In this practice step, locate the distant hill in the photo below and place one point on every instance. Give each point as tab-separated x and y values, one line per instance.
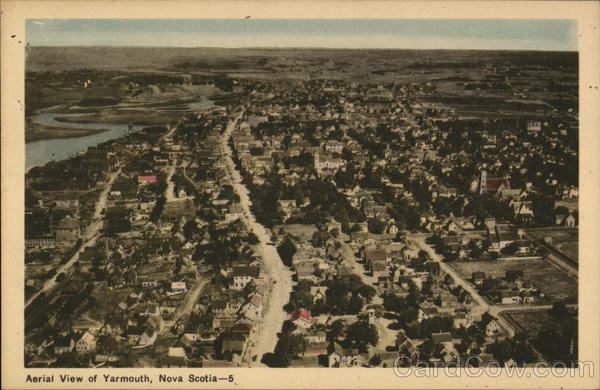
206	59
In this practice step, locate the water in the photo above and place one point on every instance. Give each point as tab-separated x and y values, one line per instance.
43	151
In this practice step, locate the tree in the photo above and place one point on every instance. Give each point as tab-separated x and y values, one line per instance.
426	350
361	333
375	360
510	249
512	274
559	311
376	226
336	330
355	304
252	239
502	350
289	346
190	229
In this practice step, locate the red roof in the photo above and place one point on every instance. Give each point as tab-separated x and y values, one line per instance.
301	313
241	327
494	183
146	179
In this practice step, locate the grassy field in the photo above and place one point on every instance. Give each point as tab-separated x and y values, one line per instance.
565	240
531	321
570	248
553	282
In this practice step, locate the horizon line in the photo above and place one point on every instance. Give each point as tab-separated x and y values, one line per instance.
296	48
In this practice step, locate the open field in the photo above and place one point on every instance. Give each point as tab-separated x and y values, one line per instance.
571	249
528	321
565	240
553	282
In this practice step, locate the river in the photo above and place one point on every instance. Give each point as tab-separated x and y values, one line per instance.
41	152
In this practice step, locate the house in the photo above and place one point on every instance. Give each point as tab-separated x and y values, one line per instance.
509	297
147	179
148	337
253	308
493	328
374	255
327	163
243	326
318	293
149	284
522	211
392	229
175	358
235	212
566	220
379	269
534	126
67	203
301	318
178	287
315	337
570	221
463	320
86	343
333	146
426	312
233	344
340	357
407	348
242	275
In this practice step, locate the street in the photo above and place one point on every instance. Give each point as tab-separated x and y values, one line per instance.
280	277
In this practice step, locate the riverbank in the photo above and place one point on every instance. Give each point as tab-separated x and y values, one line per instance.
38	131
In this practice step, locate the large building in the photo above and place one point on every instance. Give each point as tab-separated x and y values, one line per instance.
491	184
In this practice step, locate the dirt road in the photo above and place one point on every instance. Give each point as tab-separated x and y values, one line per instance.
280	277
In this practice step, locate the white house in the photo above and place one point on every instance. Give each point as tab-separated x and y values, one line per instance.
86	343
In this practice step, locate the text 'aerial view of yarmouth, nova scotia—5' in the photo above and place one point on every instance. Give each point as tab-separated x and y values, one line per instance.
301	192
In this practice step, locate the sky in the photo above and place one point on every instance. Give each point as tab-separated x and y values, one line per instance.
478	34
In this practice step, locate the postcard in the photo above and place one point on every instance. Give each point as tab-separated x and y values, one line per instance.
299	195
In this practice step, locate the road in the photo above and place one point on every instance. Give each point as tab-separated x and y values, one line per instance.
89	239
358	269
482	304
170	190
190	299
280	277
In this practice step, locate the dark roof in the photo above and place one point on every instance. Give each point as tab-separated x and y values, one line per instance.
246	271
441	337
